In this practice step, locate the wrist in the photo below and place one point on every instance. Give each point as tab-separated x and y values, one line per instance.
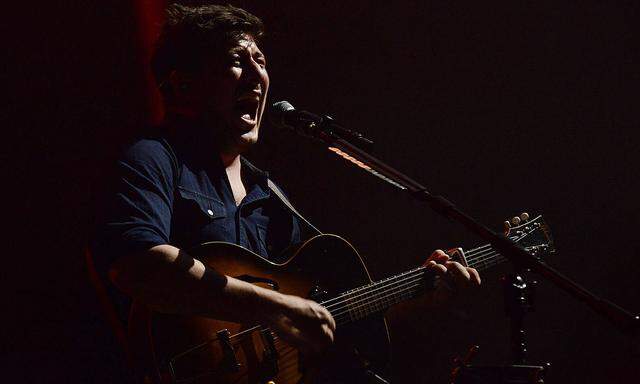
268	301
260	304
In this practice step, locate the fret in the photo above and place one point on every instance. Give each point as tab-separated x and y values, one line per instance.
379	296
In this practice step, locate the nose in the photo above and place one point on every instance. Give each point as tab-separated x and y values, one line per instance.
256	74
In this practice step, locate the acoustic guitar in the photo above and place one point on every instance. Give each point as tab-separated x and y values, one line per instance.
326	269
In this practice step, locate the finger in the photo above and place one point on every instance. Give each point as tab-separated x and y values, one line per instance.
459	273
318	339
331	322
439	269
328	332
439	256
475	276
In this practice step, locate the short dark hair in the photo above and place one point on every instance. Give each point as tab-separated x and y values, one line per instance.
193	33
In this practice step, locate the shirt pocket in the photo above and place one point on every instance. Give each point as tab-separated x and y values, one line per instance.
207	206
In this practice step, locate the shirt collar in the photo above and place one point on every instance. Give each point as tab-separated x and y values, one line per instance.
258	178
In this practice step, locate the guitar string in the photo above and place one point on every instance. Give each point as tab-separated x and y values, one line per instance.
471	256
372	306
486	260
368	295
491	253
416	280
475	258
345	319
373	298
492	259
485	266
473	253
491	262
360	289
477	253
409	290
376	286
485	257
480	257
391	290
514	239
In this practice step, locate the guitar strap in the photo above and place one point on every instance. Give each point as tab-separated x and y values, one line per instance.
272	186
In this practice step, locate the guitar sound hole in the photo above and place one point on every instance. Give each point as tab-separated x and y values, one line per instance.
260	280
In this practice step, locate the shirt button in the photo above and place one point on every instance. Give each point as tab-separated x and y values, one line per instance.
210	212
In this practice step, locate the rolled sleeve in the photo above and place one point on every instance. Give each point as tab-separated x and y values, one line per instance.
139	210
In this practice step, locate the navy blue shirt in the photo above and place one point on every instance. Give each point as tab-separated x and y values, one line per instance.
173	189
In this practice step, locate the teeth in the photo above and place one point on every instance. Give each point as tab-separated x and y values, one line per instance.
247	118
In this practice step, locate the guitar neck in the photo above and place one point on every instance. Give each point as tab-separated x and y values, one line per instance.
377	297
483	257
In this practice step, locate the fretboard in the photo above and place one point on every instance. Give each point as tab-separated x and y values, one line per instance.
483	257
376	297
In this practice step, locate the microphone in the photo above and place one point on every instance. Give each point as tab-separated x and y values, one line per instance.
283	115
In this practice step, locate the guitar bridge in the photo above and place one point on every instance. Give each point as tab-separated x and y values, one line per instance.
270	356
229	359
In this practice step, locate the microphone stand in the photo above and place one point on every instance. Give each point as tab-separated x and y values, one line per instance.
521	259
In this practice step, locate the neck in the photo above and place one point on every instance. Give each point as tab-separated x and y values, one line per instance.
231	162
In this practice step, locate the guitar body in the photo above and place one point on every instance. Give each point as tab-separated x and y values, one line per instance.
192	349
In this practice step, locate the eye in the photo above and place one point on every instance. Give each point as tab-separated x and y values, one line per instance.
261	62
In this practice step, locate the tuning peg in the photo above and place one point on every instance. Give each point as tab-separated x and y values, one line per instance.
515	220
507	227
524	216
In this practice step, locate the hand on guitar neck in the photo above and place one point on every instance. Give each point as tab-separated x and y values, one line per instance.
454	277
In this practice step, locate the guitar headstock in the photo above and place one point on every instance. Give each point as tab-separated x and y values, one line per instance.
532	234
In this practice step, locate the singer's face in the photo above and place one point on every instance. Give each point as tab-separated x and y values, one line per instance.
235	86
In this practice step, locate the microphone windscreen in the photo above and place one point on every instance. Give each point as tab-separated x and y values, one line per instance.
277	112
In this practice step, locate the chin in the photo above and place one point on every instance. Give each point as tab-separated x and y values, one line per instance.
247	140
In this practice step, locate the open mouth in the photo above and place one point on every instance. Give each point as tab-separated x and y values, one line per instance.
247	107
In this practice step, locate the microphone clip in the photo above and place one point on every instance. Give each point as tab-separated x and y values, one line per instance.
325	128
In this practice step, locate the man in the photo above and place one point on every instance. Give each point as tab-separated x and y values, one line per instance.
189	184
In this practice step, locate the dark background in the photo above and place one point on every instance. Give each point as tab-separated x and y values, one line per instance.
502	106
